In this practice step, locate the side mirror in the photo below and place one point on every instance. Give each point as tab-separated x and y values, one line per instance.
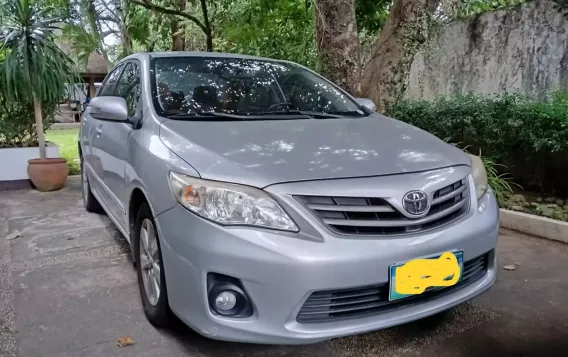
108	108
367	103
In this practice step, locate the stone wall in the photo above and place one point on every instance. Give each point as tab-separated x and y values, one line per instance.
520	49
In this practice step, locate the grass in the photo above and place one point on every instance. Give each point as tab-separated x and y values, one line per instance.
67	141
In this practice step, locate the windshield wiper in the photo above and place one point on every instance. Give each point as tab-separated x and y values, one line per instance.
351	113
320	115
207	115
239	116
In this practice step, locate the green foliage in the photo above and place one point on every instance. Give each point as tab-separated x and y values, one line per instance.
372	14
530	137
473	7
283	29
148	29
17	124
501	183
33	64
84	42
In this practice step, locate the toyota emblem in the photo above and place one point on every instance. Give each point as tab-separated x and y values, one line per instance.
415	203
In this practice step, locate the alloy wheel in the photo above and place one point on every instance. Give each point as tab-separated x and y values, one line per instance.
150	261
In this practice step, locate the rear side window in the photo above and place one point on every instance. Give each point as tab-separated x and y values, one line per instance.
107	89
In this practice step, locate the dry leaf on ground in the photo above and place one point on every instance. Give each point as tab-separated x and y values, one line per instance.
13	235
124	341
510	267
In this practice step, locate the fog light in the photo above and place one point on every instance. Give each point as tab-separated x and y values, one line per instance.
226	301
227	298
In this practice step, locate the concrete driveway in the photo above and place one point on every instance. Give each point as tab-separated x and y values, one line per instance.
68	288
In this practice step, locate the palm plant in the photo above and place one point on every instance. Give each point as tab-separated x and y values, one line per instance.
34	68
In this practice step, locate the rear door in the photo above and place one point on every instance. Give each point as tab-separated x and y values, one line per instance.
112	143
90	134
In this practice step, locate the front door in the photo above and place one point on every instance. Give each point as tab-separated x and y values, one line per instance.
91	130
112	144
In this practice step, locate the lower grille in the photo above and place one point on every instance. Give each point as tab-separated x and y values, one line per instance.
332	305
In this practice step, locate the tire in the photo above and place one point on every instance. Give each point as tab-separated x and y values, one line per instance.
89	201
156	307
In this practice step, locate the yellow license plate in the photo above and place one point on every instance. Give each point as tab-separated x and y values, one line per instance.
419	275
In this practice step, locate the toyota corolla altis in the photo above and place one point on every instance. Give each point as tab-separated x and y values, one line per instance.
265	204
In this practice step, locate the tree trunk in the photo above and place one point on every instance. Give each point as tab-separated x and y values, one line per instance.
406	30
178	38
178	31
339	51
209	38
207	26
96	28
126	38
39	127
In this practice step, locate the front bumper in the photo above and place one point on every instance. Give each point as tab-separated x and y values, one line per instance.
280	270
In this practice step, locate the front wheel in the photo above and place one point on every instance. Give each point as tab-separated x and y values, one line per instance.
150	269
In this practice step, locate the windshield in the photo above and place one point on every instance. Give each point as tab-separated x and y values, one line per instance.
197	85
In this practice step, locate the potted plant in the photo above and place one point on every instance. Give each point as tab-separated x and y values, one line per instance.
36	70
18	140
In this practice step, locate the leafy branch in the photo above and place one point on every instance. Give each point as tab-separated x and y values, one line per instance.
148	4
203	25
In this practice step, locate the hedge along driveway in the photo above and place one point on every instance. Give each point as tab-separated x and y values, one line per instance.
67	141
530	138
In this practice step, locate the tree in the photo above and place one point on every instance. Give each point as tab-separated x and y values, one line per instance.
339	52
280	29
34	68
84	29
172	10
148	30
406	30
178	38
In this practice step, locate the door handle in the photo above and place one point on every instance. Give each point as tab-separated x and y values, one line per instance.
98	130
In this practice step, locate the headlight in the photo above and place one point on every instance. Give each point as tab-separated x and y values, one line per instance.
479	175
229	204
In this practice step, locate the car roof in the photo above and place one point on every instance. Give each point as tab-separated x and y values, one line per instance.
150	55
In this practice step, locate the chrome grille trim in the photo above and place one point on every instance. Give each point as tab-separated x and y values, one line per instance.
351	208
449	195
376	216
395	223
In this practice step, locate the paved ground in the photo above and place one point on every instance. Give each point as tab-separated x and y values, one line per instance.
68	288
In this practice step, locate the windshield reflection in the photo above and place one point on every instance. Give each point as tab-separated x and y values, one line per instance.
197	85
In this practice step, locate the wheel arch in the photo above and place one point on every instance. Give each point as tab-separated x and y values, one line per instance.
137	198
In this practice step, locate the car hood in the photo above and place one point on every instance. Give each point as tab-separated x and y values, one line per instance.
264	152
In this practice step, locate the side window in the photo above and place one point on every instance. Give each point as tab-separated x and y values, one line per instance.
128	87
107	88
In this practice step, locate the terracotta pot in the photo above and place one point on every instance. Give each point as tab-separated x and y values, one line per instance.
48	174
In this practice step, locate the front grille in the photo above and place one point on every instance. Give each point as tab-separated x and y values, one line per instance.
375	216
332	305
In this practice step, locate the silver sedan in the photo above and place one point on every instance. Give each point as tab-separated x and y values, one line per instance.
265	204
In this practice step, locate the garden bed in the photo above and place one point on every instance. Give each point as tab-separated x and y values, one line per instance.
532	203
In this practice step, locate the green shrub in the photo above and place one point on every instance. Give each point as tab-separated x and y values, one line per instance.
528	137
501	183
17	124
